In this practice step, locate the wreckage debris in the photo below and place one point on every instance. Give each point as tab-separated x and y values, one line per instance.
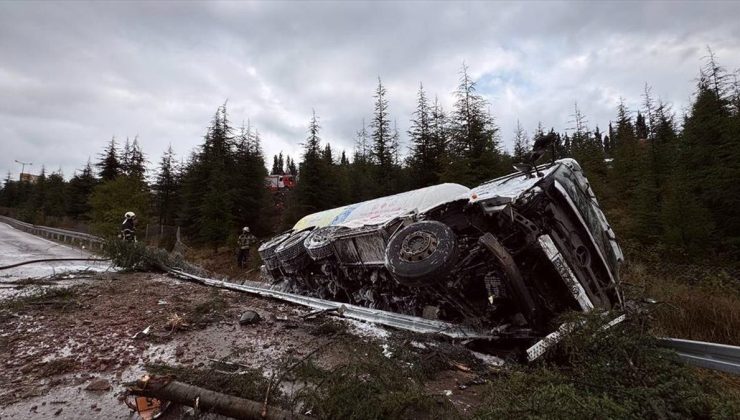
509	256
249	318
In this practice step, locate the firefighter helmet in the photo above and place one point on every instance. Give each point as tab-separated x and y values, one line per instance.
130	215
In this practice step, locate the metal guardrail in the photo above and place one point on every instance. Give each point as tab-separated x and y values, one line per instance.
67	236
714	356
376	316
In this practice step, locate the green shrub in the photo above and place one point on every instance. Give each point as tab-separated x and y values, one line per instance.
615	373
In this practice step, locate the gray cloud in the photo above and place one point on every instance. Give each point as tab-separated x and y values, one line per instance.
74	74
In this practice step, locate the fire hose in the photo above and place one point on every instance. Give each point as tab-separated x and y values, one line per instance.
5	267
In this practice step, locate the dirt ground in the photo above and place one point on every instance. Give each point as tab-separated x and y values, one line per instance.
65	352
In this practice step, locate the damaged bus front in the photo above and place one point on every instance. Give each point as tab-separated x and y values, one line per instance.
506	257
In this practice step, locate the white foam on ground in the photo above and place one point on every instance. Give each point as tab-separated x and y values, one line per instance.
364	329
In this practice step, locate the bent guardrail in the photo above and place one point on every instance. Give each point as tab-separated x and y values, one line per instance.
714	356
67	236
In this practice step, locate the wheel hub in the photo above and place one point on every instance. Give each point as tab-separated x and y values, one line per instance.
418	246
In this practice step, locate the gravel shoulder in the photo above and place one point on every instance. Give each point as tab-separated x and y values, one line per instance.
58	343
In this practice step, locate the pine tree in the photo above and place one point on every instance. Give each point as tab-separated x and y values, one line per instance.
109	164
587	150
125	157
79	190
395	146
291	166
310	194
275	166
423	161
709	161
625	151
9	196
34	206
250	196
55	199
363	186
166	187
327	156
474	152
439	136
136	161
210	175
382	147
521	143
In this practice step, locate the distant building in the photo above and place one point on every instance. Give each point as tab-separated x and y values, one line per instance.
29	178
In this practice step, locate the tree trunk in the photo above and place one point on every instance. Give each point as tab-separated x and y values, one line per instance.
208	401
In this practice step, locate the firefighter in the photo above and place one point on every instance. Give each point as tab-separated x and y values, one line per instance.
245	240
128	227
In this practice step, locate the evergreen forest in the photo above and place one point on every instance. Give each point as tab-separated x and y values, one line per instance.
665	178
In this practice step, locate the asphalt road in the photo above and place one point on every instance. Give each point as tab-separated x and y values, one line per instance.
17	246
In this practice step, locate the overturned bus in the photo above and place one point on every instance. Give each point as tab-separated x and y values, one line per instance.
507	257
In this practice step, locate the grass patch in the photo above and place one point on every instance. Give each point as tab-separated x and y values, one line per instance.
54	298
327	326
368	386
615	373
695	302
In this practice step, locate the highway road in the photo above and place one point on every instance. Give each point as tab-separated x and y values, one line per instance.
17	246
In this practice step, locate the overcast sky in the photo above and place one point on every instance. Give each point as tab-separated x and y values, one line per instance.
72	75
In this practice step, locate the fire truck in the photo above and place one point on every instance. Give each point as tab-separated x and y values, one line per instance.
279	182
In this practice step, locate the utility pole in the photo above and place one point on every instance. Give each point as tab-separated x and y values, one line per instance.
23	168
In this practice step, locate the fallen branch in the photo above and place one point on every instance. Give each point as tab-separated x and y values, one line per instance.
207	401
282	375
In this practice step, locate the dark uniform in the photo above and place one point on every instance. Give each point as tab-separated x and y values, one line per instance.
128	229
245	240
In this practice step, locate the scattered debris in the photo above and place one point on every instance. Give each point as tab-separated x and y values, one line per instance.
143	333
339	311
99	384
175	322
249	318
387	351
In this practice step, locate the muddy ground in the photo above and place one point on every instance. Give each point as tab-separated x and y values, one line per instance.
65	352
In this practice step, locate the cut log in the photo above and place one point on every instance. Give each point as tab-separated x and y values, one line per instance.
207	400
